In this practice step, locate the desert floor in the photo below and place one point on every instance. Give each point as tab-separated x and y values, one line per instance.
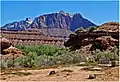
71	73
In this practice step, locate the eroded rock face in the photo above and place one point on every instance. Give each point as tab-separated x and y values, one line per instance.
106	42
5	43
102	40
98	41
61	20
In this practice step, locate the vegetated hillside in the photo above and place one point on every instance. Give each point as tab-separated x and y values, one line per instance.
54	20
110	26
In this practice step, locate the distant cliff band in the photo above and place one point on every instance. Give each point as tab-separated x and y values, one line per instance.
30	38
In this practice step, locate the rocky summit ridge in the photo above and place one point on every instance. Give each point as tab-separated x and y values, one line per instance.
54	20
59	24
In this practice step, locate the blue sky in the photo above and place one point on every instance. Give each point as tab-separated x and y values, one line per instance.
96	11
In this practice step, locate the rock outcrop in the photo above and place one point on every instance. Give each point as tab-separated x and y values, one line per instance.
11	52
105	42
4	44
99	39
109	27
75	41
7	50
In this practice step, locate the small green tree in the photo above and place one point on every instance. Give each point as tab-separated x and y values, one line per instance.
91	28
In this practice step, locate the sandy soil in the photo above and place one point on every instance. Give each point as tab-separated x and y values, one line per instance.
75	73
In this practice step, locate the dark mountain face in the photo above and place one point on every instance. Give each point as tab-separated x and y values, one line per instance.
78	21
55	20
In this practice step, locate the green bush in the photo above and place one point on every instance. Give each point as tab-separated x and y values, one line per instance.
106	56
6	63
91	28
39	56
29	60
41	50
36	56
33	60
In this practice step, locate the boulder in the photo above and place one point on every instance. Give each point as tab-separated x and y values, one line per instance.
106	42
92	76
52	73
5	43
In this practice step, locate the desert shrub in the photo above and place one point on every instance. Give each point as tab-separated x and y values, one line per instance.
6	63
27	49
36	56
67	58
28	60
105	56
3	64
39	56
91	28
41	50
33	60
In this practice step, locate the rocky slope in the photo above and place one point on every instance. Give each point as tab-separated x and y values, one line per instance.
60	20
109	27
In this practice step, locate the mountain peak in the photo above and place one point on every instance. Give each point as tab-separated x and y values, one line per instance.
28	20
78	15
61	12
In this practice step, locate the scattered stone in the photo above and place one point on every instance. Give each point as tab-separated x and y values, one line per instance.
110	74
58	75
52	73
67	74
92	76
